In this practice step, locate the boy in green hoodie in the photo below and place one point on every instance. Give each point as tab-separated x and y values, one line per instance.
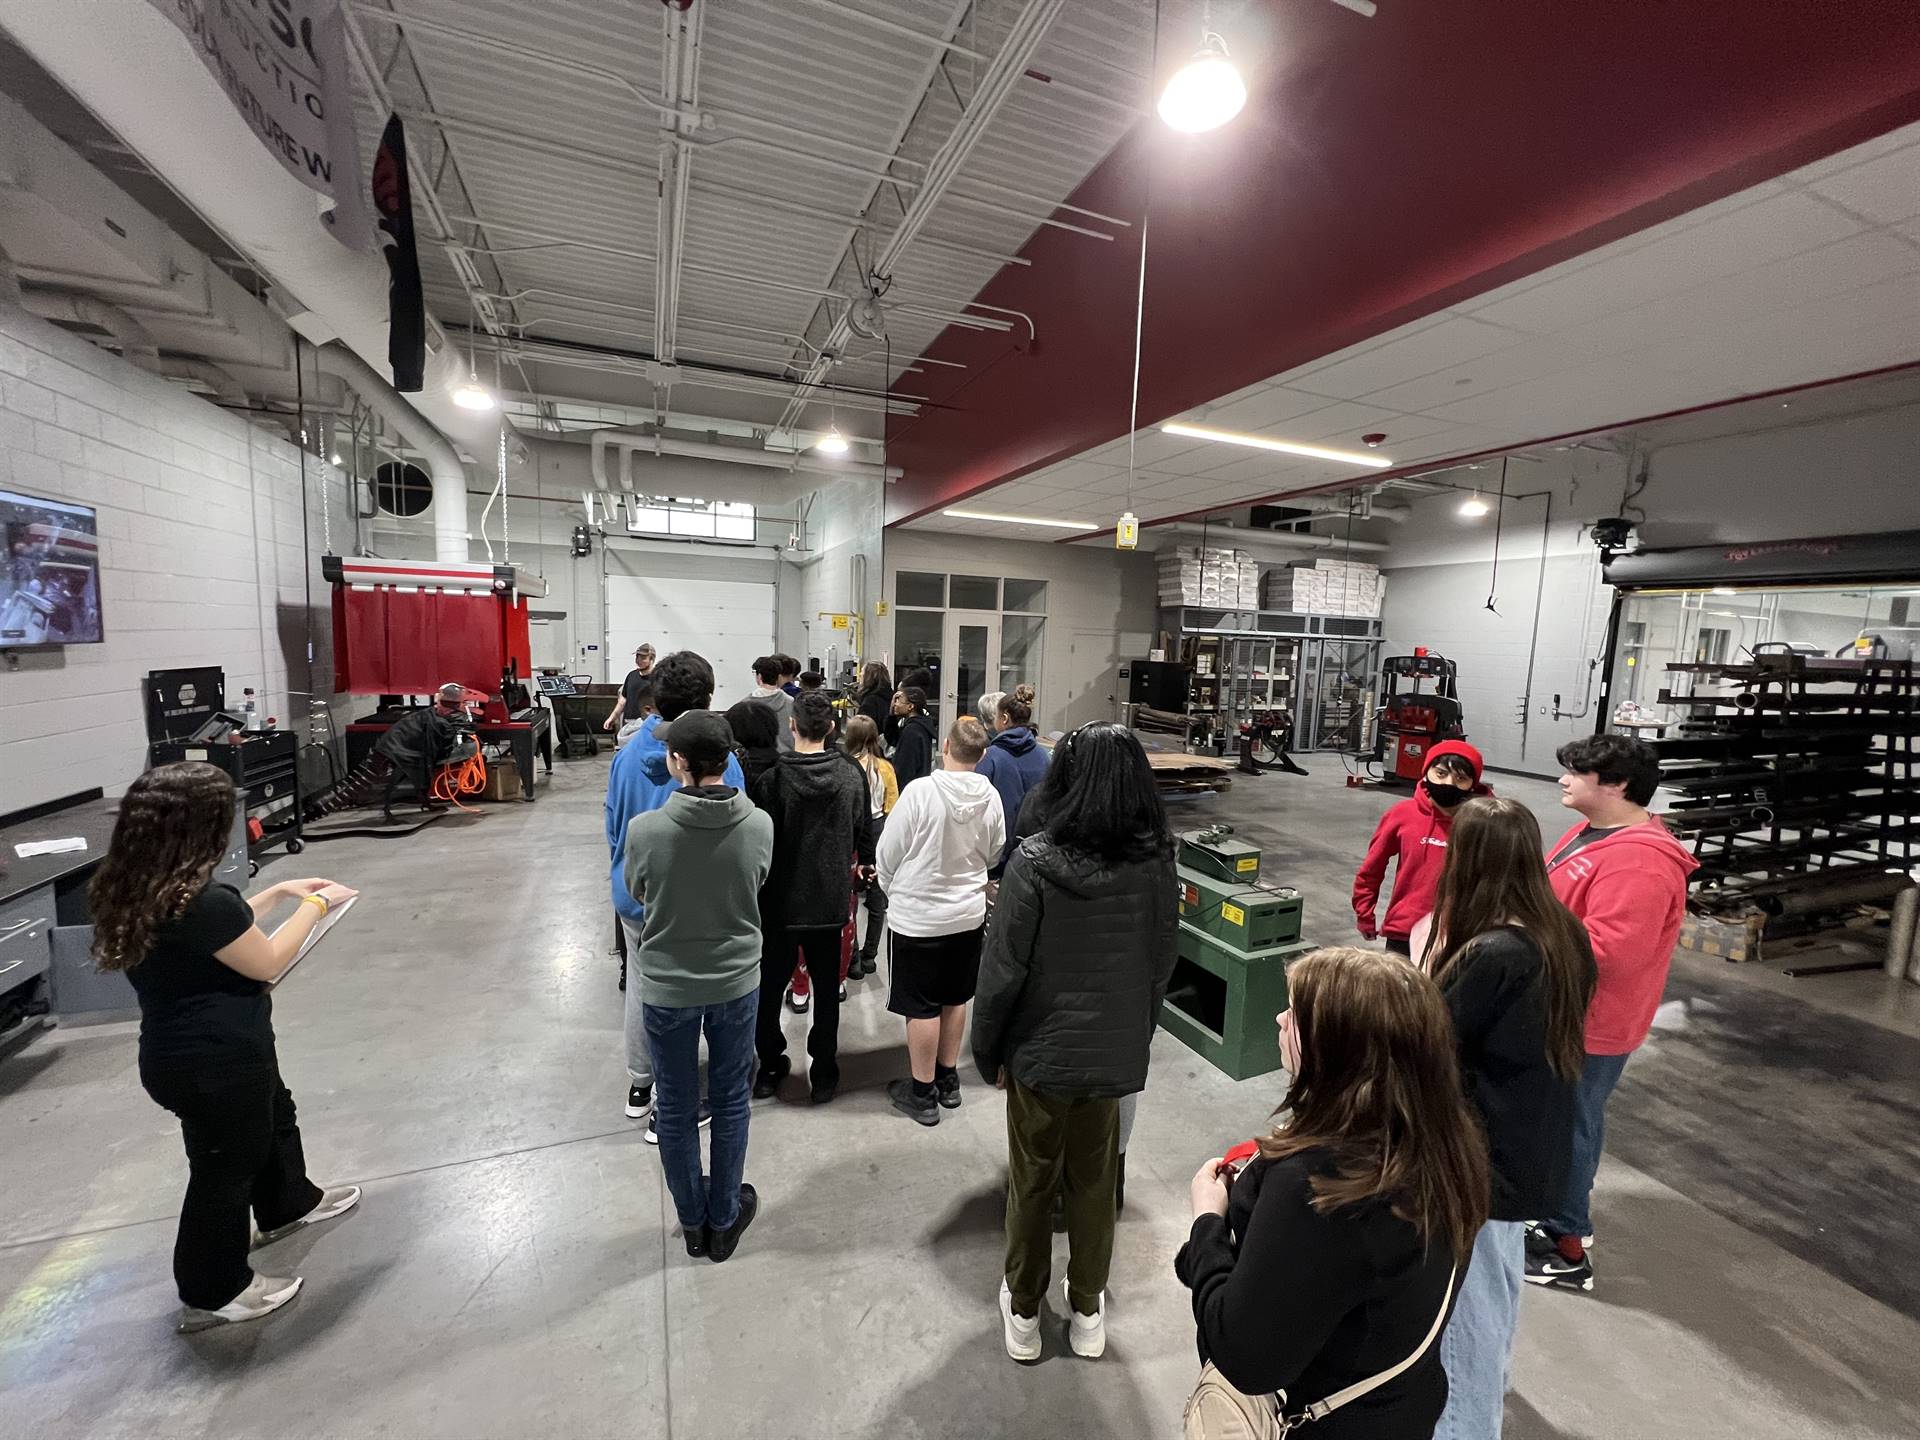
697	863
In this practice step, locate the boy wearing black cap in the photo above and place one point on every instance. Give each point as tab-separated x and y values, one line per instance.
697	863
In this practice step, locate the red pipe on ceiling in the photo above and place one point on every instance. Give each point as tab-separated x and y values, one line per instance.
1382	170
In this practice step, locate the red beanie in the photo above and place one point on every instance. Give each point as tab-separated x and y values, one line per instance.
1456	747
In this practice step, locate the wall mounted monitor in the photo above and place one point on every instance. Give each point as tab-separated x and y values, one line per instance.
50	584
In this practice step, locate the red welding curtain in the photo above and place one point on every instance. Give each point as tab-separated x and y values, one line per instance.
410	642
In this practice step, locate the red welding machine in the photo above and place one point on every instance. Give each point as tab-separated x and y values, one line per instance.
1413	720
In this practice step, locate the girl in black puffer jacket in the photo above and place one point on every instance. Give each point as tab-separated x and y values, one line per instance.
1077	959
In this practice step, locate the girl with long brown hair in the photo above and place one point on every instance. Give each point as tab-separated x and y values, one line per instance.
867	750
1517	973
201	967
1329	1259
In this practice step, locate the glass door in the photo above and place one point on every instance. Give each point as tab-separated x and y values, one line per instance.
972	648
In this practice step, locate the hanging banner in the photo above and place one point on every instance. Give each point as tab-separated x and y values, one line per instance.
406	310
283	64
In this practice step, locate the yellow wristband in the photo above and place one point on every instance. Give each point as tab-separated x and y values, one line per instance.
319	900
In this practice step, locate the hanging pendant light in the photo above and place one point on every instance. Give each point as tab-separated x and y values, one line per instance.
1473	507
470	394
1206	92
833	442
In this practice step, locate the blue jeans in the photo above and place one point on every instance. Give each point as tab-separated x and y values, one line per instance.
1598	1075
673	1034
1477	1346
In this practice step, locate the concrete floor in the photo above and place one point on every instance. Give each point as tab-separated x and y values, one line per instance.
456	1048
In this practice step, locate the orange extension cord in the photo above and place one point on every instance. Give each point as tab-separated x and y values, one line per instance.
465	777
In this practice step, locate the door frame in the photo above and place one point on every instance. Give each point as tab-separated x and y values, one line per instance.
950	627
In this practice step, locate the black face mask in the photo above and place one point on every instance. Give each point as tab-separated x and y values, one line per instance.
1446	796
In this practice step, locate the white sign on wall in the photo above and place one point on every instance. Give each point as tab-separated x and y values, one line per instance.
283	64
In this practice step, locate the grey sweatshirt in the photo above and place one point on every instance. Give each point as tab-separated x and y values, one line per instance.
781	703
698	863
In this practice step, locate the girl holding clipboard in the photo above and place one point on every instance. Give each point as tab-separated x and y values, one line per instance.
201	965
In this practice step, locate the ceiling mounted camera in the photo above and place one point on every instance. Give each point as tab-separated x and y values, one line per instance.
1374	440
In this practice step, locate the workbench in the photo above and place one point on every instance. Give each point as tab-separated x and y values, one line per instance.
44	915
527	733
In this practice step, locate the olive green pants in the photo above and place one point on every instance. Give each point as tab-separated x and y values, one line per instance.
1049	1137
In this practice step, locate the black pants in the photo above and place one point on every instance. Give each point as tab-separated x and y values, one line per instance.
819	946
876	904
243	1152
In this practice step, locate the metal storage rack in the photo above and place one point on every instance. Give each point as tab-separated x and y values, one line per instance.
1318	670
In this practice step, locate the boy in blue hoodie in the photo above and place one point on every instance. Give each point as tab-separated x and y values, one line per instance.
638	782
1014	762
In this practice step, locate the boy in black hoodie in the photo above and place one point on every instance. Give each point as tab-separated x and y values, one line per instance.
918	740
819	806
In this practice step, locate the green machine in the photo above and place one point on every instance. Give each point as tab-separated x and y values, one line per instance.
1236	940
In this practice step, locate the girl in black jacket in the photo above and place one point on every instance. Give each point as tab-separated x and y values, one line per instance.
1517	974
1077	958
1326	1261
874	698
917	741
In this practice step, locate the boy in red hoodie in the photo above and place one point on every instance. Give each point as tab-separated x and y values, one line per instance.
1624	876
1413	834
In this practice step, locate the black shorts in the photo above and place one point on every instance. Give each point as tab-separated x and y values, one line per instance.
930	973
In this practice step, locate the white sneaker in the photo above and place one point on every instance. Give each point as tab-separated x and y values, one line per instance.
1086	1333
1022	1337
333	1204
262	1297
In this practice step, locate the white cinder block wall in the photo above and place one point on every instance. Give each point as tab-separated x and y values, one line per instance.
203	561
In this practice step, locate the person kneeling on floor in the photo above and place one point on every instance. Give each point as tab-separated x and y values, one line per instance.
946	829
1078	957
697	863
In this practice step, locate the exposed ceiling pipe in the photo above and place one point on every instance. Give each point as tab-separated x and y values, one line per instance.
1234	537
625	443
226	389
129	336
680	96
449	476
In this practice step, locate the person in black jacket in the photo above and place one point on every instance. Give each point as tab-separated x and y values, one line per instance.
1517	973
917	740
819	804
1078	954
873	697
756	737
1329	1258
920	678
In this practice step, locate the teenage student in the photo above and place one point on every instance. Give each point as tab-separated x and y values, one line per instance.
919	678
874	696
789	675
201	967
1413	836
1082	944
1517	974
638	781
819	807
917	739
1329	1259
1014	762
769	692
627	710
756	737
943	834
698	863
863	745
1624	876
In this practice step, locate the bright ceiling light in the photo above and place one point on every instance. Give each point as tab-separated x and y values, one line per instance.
832	443
1206	92
1020	520
1725	590
1473	506
470	394
1267	442
336	459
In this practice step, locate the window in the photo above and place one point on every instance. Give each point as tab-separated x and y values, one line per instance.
1029	596
689	519
973	592
916	643
732	521
914	587
1020	637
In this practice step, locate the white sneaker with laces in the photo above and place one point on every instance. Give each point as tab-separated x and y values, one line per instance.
1022	1336
263	1296
1086	1333
333	1204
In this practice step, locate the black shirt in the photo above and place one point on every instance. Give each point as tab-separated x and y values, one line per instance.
630	692
192	1006
1287	1298
1585	838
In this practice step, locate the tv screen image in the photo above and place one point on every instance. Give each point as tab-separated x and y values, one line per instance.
50	589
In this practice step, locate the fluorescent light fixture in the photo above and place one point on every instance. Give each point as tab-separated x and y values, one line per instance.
832	443
1267	442
1473	506
1206	92
1020	520
470	394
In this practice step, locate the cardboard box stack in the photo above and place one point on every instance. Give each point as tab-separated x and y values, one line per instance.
1325	587
1209	578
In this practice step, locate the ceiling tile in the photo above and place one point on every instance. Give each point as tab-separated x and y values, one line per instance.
1885	190
1419	352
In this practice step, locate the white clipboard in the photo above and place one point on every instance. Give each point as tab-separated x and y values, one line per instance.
327	922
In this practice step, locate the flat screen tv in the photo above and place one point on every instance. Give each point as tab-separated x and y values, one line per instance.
50	588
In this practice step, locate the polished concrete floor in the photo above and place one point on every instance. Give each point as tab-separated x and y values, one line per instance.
455	1047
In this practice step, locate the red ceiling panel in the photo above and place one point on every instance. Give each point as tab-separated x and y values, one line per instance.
1384	169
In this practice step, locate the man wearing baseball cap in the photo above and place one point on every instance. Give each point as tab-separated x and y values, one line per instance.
1413	835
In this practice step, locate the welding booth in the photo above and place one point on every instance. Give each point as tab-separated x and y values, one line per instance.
403	628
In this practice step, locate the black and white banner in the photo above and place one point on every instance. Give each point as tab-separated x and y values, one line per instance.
283	63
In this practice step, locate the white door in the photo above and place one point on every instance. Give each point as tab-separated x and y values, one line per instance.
729	622
971	649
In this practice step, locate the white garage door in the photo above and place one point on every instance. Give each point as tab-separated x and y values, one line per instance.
728	621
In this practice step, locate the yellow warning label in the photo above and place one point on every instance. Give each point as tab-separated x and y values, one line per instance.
1249	862
1233	914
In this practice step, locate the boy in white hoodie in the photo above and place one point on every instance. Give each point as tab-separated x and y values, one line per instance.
941	836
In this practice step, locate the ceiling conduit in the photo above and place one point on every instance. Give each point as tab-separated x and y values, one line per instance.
226	389
130	337
1233	537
